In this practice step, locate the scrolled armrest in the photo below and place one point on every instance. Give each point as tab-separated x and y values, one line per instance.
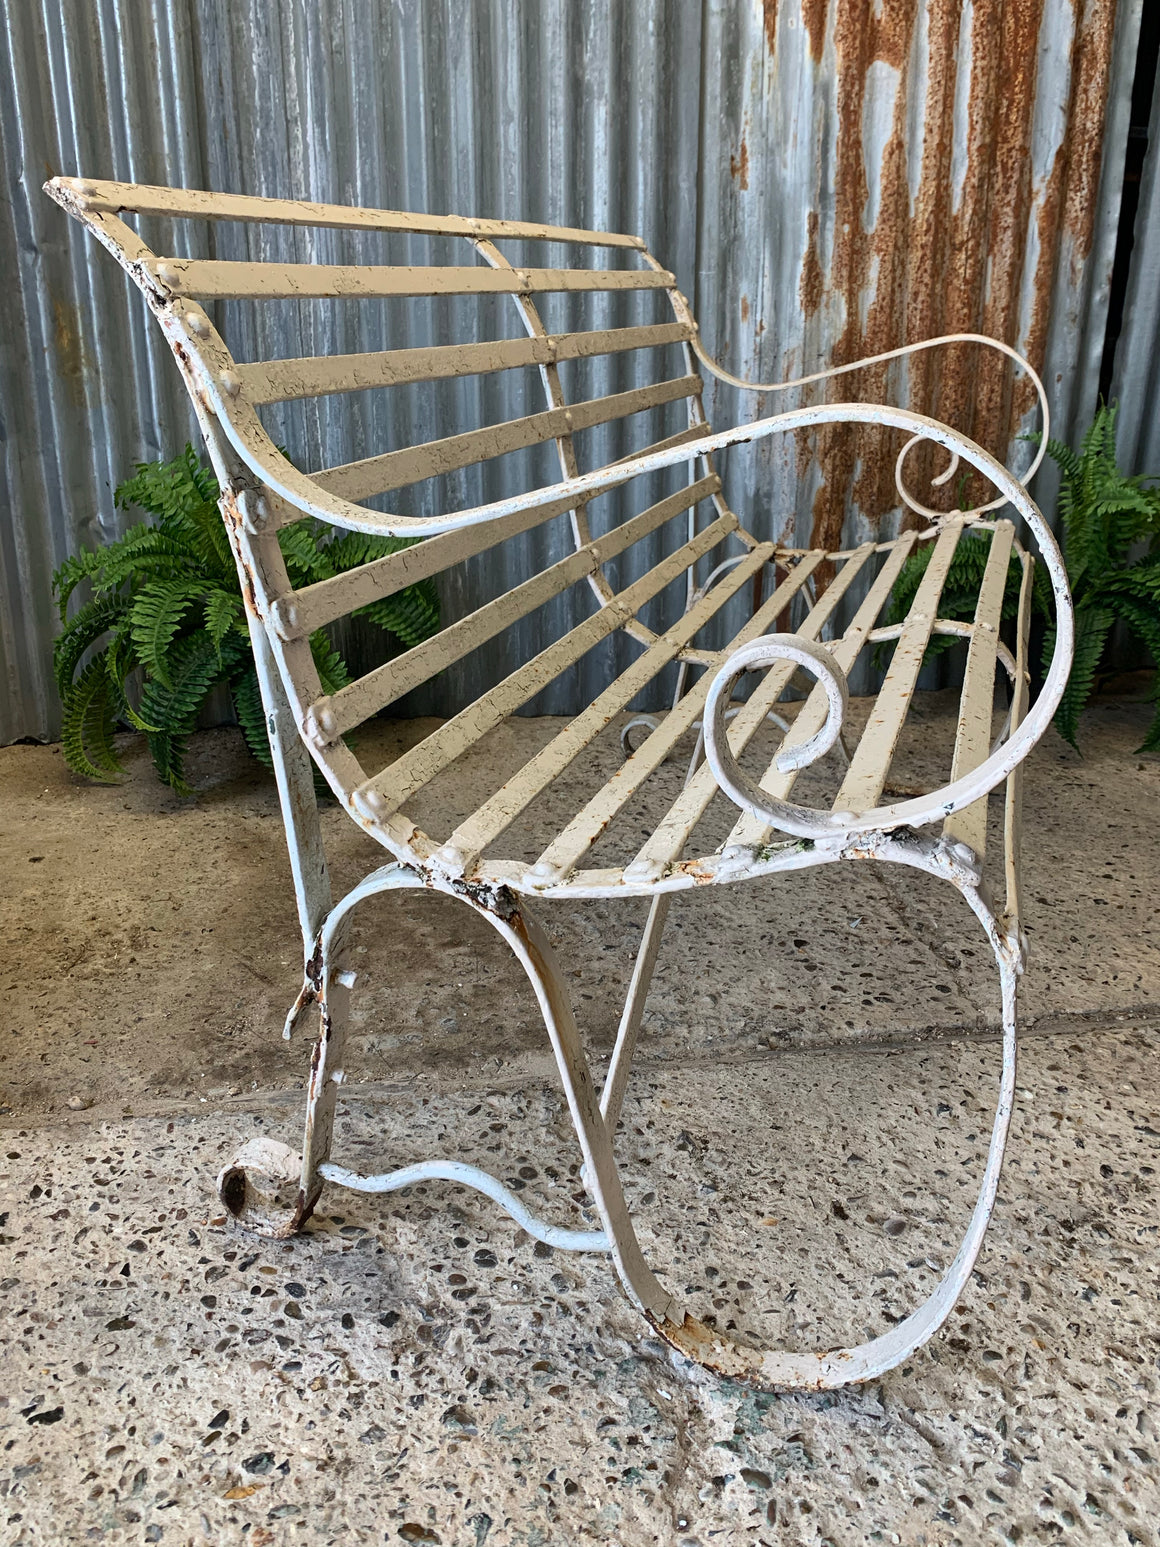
736	783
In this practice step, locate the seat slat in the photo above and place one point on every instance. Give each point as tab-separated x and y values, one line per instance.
387	791
811	716
277	381
670	835
224	279
569	847
195	203
485	825
388	683
870	764
1013	804
976	706
394	469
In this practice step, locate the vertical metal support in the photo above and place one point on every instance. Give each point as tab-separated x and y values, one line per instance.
616	1080
326	1061
1013	805
294	773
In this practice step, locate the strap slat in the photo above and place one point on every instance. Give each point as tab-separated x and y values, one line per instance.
812	714
193	203
669	837
1013	804
870	764
486	824
277	381
221	279
976	707
388	790
566	851
394	469
368	695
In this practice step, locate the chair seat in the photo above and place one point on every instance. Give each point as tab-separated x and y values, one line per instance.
595	807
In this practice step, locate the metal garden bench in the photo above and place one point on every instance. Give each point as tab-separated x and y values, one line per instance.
695	539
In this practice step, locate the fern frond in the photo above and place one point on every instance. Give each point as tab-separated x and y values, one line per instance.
158	609
121	662
91	623
247	697
173	706
1092	626
222	611
80	566
306	559
330	665
412	615
87	726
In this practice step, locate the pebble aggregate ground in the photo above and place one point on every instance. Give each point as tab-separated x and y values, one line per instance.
416	1369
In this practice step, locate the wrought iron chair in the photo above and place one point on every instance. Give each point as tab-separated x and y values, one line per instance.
272	1189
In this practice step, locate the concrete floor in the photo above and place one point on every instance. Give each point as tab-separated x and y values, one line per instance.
802	1142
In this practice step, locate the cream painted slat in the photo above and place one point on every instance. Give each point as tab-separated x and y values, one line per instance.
750	830
976	706
870	765
395	469
278	381
568	848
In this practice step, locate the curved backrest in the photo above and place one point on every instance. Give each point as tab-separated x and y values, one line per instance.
559	317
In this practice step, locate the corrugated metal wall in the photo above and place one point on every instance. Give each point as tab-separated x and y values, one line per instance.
826	177
1136	381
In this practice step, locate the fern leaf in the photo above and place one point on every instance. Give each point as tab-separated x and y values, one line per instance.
158	609
80	566
92	622
173	706
87	726
120	662
330	665
222	611
1092	626
247	697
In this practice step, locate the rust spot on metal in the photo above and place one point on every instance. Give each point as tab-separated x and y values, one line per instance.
814	20
70	348
739	165
769	17
812	284
745	308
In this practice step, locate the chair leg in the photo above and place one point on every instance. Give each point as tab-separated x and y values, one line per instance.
867	1361
268	1187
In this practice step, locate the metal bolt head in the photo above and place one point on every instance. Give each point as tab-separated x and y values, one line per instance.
197	323
230	383
168	275
81	187
326	722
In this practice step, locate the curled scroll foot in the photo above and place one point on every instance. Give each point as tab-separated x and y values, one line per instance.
262	1189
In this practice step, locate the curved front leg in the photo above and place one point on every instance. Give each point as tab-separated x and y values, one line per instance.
867	1361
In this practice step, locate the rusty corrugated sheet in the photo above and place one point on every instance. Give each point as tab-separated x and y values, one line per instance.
824	177
914	169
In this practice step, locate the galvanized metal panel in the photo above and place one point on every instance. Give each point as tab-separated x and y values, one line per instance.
1136	382
823	179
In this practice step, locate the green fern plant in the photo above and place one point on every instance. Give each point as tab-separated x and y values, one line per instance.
1110	525
164	600
960	594
1104	515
